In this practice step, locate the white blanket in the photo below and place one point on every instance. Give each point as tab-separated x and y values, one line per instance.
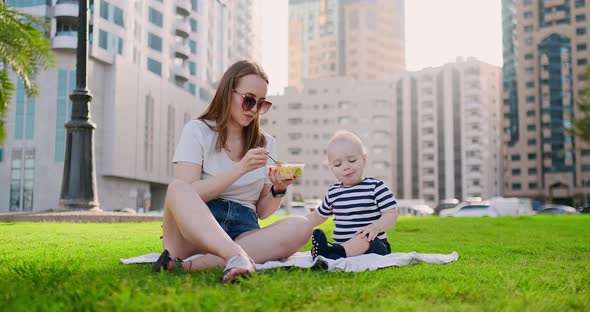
361	263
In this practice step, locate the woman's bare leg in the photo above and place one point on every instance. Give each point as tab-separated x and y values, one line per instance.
277	241
189	226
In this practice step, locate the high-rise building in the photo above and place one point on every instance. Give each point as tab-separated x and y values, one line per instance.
545	55
359	39
153	66
431	134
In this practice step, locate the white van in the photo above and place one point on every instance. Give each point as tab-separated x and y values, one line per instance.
512	206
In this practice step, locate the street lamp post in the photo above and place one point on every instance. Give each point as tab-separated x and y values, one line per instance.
78	188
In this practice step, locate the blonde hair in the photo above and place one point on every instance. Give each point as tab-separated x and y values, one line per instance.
345	135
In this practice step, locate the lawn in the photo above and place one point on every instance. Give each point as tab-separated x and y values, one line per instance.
528	263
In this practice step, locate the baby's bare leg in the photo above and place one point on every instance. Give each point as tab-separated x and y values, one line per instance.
356	246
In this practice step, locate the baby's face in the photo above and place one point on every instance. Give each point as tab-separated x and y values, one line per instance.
347	161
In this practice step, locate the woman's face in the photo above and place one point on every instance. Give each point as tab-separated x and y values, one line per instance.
249	85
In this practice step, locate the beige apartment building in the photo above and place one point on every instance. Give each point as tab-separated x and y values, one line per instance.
359	39
431	134
153	65
545	54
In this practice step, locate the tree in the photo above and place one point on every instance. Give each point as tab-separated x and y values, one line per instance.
24	50
581	124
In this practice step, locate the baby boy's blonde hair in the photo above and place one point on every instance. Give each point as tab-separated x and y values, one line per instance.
345	135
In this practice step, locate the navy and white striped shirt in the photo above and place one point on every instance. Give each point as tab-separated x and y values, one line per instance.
356	206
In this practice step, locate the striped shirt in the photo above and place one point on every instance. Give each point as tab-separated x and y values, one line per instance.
356	206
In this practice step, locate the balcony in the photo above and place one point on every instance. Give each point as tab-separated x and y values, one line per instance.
547	148
546	133
181	50
183	7
66	8
181	73
65	40
182	27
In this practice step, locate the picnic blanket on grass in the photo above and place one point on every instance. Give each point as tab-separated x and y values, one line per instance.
369	262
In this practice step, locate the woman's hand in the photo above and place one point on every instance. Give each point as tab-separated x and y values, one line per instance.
280	184
255	158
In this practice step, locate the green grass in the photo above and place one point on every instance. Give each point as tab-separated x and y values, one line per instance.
538	263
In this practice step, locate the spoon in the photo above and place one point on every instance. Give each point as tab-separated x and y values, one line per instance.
275	161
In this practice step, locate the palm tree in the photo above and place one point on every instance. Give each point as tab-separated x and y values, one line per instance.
24	50
581	125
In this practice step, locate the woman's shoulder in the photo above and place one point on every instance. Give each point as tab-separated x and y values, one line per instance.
202	126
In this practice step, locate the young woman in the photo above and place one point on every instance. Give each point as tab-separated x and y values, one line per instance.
221	188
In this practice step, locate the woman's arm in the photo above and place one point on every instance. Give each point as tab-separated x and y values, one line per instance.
212	187
268	204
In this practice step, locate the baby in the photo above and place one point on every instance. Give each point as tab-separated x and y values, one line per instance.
363	207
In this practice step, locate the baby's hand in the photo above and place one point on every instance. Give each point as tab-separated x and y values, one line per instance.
369	232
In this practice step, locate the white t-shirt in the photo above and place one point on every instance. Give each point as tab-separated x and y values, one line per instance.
197	145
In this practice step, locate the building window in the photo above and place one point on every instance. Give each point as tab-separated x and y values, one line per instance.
581	31
154	42
585	168
170	137
531	127
532	171
586	152
516	186
194	25
533	185
531	142
22	169
528	2
580	3
195	5
148	139
530	84
530	99
515	172
104	10
530	113
532	156
192	88
154	66
528	56
119	18
582	61
103	39
155	17
193	46
580	17
528	28
65	86
527	14
192	66
515	157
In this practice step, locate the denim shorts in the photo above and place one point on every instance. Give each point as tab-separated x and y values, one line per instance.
233	218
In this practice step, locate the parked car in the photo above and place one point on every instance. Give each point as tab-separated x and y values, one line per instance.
480	209
445	204
553	209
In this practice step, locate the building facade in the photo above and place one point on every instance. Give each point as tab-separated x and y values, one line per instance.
153	66
545	55
431	134
360	39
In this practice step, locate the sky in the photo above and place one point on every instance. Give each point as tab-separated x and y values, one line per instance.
437	32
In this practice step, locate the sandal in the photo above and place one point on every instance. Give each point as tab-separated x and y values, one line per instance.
163	262
237	267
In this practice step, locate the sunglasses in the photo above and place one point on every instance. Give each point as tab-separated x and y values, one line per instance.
249	101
